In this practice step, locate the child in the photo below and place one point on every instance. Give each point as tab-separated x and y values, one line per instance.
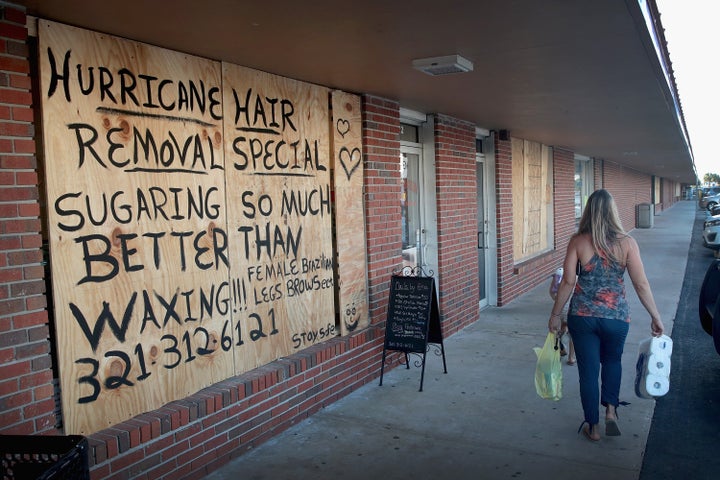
554	285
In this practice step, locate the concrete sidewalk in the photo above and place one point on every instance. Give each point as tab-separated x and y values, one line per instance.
483	419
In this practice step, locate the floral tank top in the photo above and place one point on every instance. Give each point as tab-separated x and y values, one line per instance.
600	291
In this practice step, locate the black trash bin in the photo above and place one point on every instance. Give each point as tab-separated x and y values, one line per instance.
39	457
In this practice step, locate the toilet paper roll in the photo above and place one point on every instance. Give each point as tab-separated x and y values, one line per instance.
652	377
660	345
658	364
652	386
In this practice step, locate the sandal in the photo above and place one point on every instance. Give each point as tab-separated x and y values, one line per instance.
589	432
611	428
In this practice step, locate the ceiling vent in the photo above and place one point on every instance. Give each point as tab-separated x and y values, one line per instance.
443	65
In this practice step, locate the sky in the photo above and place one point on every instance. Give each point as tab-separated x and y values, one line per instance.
693	40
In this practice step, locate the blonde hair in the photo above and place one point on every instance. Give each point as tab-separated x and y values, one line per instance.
601	221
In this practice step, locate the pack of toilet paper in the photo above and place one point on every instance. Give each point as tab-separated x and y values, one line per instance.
652	377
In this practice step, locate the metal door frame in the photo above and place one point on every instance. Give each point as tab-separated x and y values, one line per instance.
425	148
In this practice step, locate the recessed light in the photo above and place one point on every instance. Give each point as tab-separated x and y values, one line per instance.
443	65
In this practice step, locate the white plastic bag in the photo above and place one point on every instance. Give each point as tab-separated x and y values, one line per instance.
548	370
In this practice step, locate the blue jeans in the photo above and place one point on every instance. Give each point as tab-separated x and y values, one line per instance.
599	344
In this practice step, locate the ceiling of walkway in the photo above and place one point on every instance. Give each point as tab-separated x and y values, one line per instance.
575	74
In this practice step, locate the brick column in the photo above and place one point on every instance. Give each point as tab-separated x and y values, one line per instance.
383	218
456	174
26	388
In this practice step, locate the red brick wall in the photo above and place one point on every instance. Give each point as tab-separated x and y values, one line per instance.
598	174
629	188
191	437
26	389
563	201
455	172
668	196
516	279
506	283
381	128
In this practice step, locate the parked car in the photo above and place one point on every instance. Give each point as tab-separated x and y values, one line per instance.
709	303
711	231
710	201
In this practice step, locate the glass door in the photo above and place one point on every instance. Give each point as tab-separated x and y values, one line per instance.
412	229
418	197
482	234
486	220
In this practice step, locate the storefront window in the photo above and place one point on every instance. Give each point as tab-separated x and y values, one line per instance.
410	208
532	188
584	184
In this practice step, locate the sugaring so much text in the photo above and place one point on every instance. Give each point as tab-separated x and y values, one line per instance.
260	238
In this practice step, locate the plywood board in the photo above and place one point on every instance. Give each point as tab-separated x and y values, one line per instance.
190	220
348	175
533	196
133	140
547	199
518	196
279	206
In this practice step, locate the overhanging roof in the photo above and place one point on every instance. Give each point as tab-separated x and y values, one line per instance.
582	75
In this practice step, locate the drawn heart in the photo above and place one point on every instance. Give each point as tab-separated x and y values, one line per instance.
343	127
350	161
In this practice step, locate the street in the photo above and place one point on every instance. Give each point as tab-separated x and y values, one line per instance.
684	435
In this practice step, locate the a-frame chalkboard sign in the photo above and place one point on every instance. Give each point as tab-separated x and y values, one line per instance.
413	320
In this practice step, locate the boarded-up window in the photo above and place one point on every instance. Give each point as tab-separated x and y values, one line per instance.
532	198
190	220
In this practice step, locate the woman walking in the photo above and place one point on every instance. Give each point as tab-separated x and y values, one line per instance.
598	317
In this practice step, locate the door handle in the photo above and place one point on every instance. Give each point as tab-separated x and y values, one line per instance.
480	242
424	245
